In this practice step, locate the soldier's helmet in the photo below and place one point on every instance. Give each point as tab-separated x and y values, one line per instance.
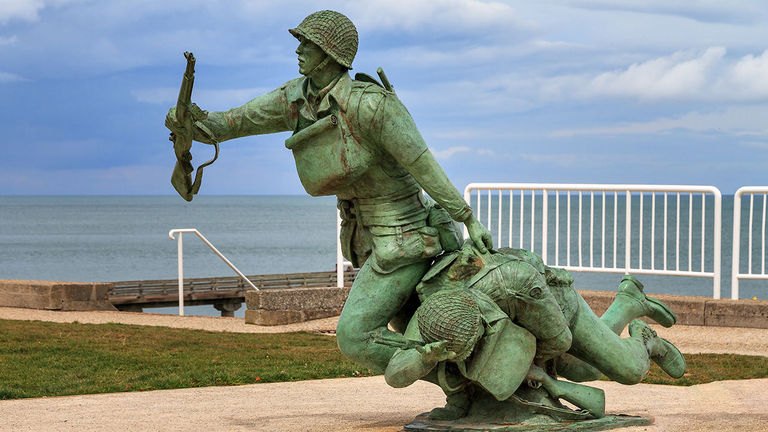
452	316
333	32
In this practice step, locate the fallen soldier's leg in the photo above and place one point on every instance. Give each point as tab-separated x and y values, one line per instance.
630	303
624	360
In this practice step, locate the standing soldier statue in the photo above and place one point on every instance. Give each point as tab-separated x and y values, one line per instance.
491	320
353	139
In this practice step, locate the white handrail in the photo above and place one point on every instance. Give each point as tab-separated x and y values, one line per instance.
341	263
632	263
735	270
180	232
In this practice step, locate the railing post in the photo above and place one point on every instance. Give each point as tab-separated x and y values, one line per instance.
717	242
181	275
544	223
339	255
628	233
180	232
736	245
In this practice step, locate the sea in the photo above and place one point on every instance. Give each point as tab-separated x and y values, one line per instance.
119	238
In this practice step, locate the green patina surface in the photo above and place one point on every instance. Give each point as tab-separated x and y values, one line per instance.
522	324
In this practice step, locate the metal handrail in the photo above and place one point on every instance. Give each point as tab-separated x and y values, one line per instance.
341	263
180	232
618	191
735	270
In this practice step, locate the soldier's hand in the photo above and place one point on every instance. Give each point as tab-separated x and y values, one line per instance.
171	123
479	234
436	352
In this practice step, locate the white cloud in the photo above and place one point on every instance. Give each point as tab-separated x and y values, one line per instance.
450	151
24	10
10	40
762	145
28	10
6	78
421	16
572	160
745	80
675	76
738	120
708	76
207	99
699	10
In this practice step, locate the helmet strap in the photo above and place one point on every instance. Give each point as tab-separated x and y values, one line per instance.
320	65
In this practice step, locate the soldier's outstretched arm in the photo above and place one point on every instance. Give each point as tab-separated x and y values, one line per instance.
400	137
268	113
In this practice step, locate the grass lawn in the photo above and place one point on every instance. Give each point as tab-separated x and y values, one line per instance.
50	359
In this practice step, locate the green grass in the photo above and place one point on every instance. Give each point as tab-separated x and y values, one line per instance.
704	368
49	359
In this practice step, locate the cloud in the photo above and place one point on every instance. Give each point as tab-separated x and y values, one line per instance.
207	99
745	80
713	11
762	145
28	10
737	120
450	151
6	78
666	77
572	160
10	40
708	76
435	15
24	10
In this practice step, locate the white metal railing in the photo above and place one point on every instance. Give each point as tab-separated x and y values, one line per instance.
341	263
180	232
736	273
517	215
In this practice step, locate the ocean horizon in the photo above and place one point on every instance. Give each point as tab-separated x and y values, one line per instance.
109	238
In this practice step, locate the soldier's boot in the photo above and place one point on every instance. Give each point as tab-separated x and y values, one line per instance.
631	302
660	350
456	406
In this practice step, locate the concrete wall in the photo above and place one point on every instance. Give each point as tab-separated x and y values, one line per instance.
290	305
68	296
284	306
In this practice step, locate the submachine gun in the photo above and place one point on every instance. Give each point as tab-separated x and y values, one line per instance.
189	116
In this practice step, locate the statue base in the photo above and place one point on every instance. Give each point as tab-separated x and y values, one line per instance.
422	424
528	410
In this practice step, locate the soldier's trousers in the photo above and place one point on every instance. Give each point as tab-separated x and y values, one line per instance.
374	300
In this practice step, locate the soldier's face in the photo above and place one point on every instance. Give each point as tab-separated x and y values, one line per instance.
310	55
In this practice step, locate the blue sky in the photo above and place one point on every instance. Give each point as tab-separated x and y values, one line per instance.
581	91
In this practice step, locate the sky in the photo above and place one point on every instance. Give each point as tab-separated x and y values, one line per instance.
579	91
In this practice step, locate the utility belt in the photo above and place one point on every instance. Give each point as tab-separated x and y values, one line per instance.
395	230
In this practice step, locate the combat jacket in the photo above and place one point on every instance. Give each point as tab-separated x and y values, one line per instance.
547	311
357	141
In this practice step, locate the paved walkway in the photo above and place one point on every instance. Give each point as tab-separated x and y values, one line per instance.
367	404
360	404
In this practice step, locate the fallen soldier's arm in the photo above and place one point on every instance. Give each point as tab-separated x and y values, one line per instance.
408	365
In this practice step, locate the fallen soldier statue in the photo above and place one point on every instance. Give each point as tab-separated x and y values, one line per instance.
496	329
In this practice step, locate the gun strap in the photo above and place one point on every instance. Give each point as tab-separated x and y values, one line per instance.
199	173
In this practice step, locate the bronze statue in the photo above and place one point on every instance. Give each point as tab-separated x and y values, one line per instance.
495	328
355	139
489	321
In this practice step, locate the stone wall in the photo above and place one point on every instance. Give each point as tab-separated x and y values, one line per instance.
290	305
68	296
284	306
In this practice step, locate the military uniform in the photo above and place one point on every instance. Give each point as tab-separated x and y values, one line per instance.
357	141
